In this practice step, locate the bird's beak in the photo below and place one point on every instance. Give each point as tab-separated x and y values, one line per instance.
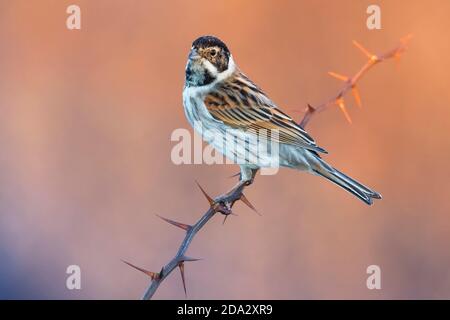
193	55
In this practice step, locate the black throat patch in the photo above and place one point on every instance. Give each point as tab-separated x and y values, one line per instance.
197	77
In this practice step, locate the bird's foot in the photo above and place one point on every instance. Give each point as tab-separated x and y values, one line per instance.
227	200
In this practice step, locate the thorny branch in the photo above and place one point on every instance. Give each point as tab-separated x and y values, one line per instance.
350	82
221	204
224	203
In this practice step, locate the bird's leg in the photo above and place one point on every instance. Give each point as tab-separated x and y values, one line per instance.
227	200
254	172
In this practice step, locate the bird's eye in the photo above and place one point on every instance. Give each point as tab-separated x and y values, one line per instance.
213	53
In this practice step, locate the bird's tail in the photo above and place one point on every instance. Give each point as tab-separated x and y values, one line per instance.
362	192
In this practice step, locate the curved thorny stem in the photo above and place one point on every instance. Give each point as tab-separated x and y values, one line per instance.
224	203
350	82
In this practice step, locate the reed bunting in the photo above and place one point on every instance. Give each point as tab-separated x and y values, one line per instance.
227	108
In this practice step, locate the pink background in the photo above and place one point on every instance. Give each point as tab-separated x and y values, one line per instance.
85	125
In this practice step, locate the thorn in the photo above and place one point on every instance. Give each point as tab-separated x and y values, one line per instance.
152	275
249	204
226	216
356	96
183	226
309	112
210	200
340	103
404	41
363	50
338	76
188	259
397	56
225	219
181	266
402	47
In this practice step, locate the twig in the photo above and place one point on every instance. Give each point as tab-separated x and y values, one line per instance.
350	82
224	203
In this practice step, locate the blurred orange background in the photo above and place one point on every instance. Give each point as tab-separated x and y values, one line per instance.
86	119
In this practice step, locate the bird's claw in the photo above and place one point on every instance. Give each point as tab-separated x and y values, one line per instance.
224	204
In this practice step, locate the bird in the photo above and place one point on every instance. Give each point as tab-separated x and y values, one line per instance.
229	110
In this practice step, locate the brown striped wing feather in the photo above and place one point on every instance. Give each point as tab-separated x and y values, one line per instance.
239	103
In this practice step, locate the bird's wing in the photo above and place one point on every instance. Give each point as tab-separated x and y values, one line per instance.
239	103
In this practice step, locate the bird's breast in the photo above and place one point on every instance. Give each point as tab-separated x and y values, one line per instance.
195	109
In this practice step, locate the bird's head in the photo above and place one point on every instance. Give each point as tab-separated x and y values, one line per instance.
209	59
